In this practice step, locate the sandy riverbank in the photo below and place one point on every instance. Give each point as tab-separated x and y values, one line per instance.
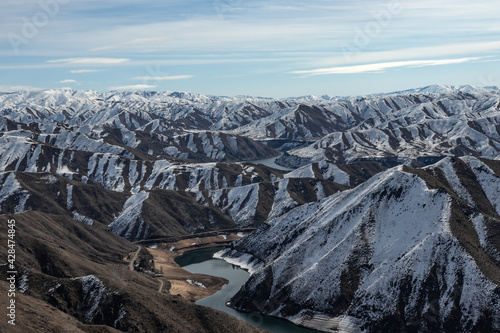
176	278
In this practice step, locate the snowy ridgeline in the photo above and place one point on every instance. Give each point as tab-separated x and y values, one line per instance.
343	260
391	238
439	120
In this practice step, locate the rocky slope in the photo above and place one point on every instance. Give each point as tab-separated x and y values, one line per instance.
413	250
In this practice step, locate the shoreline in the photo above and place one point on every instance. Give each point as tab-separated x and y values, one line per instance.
175	278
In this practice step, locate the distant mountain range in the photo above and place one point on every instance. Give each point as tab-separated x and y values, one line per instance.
431	121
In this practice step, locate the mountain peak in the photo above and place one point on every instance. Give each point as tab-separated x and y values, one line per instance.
443	89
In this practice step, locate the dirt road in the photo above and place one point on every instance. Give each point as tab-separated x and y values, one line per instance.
160	289
134	258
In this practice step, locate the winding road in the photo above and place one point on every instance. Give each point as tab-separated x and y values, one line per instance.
134	258
190	236
161	286
131	267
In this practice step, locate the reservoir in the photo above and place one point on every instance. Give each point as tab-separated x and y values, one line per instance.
201	262
270	162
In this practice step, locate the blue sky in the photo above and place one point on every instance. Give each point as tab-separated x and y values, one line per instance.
244	47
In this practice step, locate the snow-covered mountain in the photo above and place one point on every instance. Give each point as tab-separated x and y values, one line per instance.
409	250
133	142
440	88
409	126
132	195
348	240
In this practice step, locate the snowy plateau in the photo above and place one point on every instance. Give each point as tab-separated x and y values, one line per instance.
389	221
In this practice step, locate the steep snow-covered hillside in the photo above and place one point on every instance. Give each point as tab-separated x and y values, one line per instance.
409	250
140	200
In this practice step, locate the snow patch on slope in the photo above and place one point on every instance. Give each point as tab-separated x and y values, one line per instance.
81	218
94	293
131	218
12	191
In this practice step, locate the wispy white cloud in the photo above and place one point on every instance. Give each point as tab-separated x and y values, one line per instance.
136	41
68	81
8	88
133	87
380	67
255	27
80	71
172	62
165	78
439	51
89	61
202	35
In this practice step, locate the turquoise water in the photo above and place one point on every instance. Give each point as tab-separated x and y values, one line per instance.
201	262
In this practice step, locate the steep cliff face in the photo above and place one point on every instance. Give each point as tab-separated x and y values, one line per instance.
410	249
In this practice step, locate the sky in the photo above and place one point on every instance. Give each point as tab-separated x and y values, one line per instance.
245	47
